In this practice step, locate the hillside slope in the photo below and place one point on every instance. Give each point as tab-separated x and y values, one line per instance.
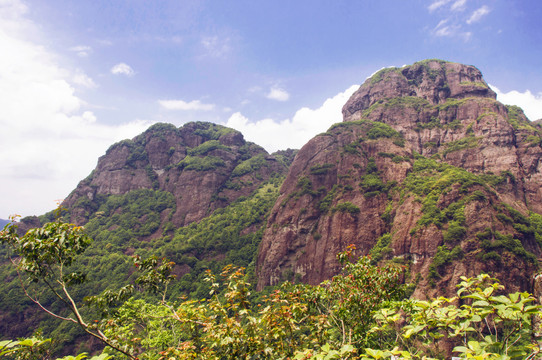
428	170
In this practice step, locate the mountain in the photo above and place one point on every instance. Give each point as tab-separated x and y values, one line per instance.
203	165
198	195
427	169
3	223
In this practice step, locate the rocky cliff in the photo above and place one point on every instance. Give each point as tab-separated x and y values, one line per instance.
204	166
427	170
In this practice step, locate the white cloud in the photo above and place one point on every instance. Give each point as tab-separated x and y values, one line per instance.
276	93
445	29
183	105
458	5
122	69
478	14
292	133
529	102
81	50
49	141
83	79
437	4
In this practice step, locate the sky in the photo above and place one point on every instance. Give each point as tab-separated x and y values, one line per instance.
77	76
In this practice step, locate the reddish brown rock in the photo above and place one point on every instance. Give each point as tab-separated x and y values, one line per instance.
201	164
440	110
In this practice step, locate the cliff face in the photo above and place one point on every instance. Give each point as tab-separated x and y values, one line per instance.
203	165
427	169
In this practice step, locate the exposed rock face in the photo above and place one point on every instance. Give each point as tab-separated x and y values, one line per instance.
427	168
205	166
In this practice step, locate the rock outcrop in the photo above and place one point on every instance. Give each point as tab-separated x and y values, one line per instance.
205	166
428	170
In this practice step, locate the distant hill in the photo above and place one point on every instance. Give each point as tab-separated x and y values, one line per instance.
3	223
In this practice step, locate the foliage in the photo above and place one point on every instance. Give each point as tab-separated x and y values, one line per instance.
44	255
206	147
250	165
222	237
381	249
346	207
321	169
197	163
468	142
486	325
361	313
382	74
210	131
294	321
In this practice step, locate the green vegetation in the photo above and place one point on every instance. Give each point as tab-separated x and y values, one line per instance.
472	83
373	130
517	119
195	163
250	165
493	242
206	147
467	142
381	249
210	131
218	240
363	313
442	258
481	328
122	219
432	124
321	169
413	102
325	203
120	223
382	74
430	180
371	184
330	319
346	207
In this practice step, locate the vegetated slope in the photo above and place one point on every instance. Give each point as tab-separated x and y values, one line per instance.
427	169
198	195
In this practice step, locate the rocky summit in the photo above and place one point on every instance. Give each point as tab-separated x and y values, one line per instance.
428	170
203	165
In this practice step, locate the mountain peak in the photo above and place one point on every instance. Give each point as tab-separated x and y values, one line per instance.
432	80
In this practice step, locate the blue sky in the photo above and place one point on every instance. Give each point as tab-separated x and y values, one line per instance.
76	76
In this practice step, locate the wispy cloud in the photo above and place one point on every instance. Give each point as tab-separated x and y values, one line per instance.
81	50
437	4
478	14
277	93
216	46
458	5
447	29
122	69
183	105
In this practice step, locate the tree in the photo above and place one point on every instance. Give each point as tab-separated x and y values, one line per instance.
43	257
487	325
